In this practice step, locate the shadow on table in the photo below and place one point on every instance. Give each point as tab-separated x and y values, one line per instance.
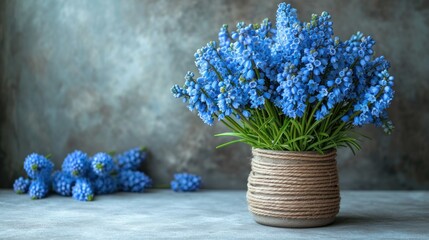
358	220
374	220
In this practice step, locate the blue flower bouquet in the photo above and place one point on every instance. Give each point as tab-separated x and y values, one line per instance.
293	88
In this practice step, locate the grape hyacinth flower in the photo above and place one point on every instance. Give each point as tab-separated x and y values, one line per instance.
83	190
62	183
38	189
131	159
76	164
296	78
38	167
105	185
21	185
102	164
133	181
82	177
185	182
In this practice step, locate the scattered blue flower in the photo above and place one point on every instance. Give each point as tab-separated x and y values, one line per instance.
131	159
102	164
105	185
21	185
62	183
38	189
185	182
133	181
83	190
38	167
76	164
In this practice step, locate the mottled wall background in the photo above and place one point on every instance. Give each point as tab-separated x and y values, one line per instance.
96	75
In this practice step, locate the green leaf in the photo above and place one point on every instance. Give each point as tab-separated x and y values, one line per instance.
269	128
230	142
230	134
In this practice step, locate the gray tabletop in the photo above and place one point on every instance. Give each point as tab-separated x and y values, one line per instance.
163	214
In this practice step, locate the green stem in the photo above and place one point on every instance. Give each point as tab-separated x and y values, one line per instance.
262	135
233	122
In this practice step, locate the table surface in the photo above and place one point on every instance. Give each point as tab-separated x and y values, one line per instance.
210	214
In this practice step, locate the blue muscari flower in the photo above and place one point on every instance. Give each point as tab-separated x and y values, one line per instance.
179	92
102	164
76	164
38	167
133	181
38	189
62	183
219	80
131	159
224	37
21	185
105	185
286	18
185	182
293	66
83	190
322	112
373	102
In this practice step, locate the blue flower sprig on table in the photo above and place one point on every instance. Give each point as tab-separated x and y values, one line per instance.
131	159
83	177
185	182
76	164
21	185
38	189
62	183
102	164
38	167
83	190
105	185
294	87
134	181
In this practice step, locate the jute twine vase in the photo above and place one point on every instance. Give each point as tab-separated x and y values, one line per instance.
293	189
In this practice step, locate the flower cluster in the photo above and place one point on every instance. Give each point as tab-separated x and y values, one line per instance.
83	190
106	185
62	183
21	185
38	169
300	68
185	182
102	164
132	159
83	177
230	81
134	181
76	164
38	166
38	189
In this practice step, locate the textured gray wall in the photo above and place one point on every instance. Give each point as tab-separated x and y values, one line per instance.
96	75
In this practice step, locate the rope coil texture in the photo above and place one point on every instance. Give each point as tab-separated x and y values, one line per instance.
293	185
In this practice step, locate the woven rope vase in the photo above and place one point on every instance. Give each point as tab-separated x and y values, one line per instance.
293	189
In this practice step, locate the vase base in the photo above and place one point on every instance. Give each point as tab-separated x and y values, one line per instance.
292	223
